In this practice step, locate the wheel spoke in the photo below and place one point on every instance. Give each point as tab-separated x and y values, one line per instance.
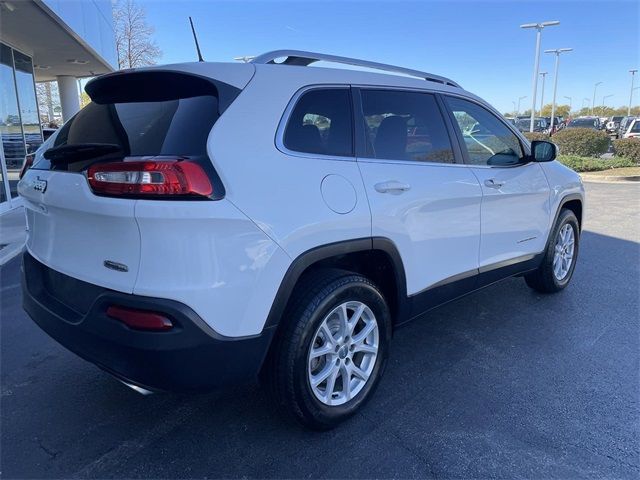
346	381
353	321
331	385
328	336
364	333
326	349
358	372
323	375
344	320
556	269
364	348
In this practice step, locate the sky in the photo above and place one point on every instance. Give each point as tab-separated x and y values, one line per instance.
479	44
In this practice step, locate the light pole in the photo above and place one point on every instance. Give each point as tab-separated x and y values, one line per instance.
515	112
570	103
557	53
519	99
633	74
603	99
585	99
536	62
593	102
543	75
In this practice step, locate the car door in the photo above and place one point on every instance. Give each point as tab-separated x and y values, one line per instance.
515	208
421	196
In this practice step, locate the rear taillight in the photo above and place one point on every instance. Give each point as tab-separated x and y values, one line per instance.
28	162
151	178
140	319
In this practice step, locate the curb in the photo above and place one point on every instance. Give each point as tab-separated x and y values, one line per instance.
610	178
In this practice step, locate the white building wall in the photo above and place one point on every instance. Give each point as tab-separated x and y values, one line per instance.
93	21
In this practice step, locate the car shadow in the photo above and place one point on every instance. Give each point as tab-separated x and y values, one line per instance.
502	373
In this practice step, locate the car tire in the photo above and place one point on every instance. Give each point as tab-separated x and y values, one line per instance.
322	318
559	261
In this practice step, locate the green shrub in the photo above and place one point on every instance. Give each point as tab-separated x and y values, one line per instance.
590	164
628	148
583	142
531	136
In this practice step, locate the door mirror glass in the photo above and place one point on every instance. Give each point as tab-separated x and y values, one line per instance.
542	151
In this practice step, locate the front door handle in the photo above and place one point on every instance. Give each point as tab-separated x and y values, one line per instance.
493	183
394	187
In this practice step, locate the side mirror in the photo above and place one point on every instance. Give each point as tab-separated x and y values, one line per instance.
542	151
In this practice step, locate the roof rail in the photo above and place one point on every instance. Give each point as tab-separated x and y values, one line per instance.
302	58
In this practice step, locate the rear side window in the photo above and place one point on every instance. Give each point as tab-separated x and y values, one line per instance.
405	126
320	123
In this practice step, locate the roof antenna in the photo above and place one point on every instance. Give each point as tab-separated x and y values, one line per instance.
195	38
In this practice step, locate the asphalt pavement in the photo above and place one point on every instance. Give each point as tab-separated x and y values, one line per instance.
503	383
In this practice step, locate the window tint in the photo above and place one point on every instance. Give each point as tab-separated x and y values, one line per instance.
173	127
405	126
488	140
321	123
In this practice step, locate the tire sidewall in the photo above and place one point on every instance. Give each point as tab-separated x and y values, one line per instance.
359	291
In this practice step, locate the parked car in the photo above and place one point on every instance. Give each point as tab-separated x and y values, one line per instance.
202	224
633	130
557	123
613	124
624	125
585	122
539	124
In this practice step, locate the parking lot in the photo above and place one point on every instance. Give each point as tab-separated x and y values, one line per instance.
502	383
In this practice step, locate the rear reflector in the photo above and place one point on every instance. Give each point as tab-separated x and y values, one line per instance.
140	319
149	178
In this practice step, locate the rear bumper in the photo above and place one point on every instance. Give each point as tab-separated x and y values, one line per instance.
189	357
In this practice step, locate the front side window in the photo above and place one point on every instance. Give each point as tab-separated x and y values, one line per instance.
488	141
405	126
321	123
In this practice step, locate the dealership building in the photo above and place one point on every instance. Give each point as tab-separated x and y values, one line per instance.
45	40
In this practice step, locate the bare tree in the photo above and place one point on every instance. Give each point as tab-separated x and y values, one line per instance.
134	36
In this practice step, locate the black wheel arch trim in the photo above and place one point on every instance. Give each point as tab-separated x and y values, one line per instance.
323	252
566	199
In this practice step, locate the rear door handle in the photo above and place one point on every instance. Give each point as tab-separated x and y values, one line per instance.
392	186
493	183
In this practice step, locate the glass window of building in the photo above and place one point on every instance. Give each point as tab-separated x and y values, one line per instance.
19	116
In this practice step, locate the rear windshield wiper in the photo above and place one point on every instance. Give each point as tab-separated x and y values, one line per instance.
65	154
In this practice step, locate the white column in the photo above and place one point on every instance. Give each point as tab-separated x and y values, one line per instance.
69	97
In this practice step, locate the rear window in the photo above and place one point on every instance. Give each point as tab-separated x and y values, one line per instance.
148	119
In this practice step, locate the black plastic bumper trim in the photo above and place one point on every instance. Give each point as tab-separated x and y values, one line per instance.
189	357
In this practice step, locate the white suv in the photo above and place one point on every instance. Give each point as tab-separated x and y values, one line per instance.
207	223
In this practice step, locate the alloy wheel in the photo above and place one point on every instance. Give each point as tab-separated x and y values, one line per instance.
343	353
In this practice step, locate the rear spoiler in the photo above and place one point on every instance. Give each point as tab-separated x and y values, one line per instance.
158	84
